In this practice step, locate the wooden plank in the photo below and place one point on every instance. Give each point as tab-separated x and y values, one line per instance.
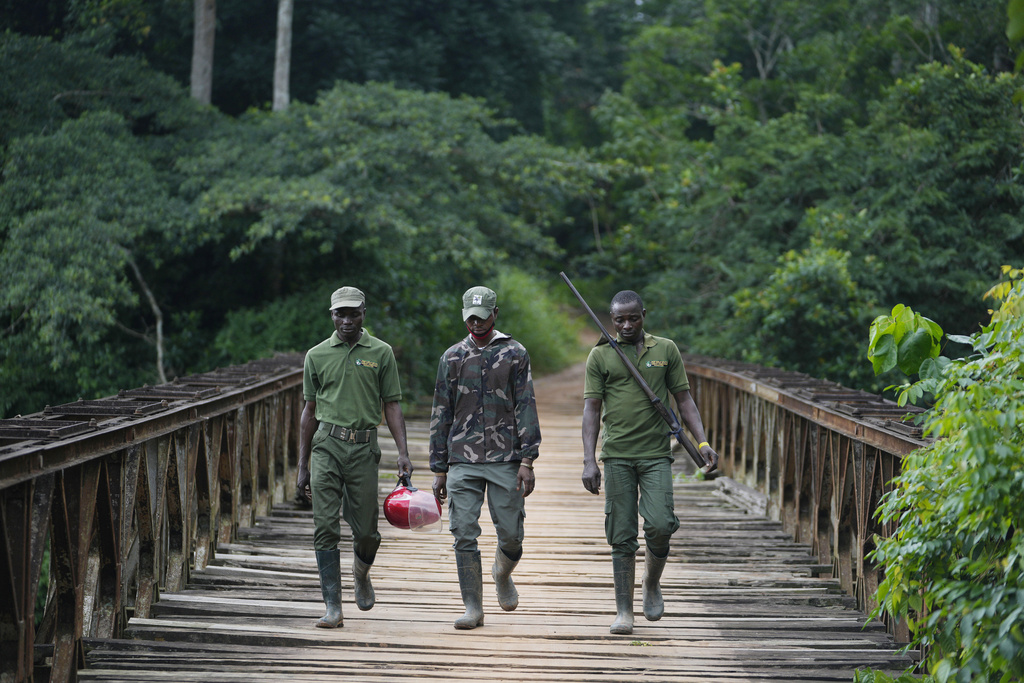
743	601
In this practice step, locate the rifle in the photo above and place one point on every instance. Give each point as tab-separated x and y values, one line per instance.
667	414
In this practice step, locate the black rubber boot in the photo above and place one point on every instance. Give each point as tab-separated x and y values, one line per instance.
654	603
471	582
501	572
365	597
624	576
329	564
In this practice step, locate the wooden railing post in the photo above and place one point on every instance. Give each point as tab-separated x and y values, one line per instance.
127	494
820	454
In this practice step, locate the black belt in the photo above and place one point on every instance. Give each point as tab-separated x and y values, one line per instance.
350	435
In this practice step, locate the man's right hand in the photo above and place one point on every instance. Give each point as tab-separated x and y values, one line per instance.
440	485
302	483
711	458
592	477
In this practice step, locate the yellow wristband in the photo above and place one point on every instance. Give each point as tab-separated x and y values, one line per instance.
702	444
528	466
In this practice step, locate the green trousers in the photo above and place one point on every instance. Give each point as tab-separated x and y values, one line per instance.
343	477
467	484
644	487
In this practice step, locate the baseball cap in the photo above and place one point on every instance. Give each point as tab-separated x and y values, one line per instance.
347	297
478	301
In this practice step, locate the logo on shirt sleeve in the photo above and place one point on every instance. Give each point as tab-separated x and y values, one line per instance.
657	363
366	363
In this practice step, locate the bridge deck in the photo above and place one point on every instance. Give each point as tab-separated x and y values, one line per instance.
743	602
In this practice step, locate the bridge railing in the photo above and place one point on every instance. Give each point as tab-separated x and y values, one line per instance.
127	493
821	455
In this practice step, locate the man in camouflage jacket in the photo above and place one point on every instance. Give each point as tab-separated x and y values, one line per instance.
484	436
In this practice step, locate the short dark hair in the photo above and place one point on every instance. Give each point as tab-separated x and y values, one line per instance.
627	297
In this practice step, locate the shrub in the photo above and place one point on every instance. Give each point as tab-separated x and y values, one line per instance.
954	569
528	311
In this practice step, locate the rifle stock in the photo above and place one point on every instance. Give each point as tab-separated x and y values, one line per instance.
666	413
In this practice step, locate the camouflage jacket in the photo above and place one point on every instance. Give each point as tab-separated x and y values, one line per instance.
484	408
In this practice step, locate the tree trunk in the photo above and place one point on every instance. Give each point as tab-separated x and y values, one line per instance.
158	314
202	49
283	55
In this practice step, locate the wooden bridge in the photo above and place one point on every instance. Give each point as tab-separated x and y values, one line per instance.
744	601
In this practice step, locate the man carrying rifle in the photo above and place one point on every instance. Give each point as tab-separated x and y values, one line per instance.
636	450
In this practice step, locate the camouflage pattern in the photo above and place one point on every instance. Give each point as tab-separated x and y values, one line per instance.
484	407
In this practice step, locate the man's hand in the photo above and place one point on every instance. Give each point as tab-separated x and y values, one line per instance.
711	458
591	427
404	466
525	480
440	485
302	483
592	476
308	425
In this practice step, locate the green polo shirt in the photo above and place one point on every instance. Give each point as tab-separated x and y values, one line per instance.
632	427
350	384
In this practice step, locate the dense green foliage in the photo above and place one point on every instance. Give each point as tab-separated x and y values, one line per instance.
530	314
45	83
404	193
543	63
772	213
771	176
955	567
241	228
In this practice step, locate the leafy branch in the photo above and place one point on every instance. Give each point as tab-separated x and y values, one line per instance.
910	342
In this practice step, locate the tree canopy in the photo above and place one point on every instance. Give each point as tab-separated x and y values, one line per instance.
771	176
789	174
142	240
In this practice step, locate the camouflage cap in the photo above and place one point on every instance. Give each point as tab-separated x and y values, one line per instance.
478	301
347	297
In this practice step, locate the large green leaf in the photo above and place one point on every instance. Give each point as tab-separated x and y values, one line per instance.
883	355
913	349
1015	25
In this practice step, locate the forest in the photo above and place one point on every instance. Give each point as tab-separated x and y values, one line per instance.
800	184
769	175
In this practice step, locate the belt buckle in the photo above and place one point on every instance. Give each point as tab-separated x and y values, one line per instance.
351	436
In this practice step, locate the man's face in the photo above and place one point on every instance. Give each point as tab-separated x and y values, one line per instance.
481	326
628	321
348	322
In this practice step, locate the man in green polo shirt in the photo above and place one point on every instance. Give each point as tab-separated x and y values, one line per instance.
348	380
636	451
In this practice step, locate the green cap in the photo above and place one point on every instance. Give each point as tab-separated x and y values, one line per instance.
347	297
478	301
